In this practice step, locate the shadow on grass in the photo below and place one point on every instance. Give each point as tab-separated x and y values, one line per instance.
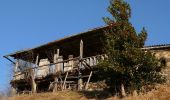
97	94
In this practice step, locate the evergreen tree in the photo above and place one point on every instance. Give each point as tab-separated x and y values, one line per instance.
128	67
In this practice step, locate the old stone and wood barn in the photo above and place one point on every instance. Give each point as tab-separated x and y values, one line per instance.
66	63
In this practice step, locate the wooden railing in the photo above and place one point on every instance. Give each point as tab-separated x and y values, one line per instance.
60	66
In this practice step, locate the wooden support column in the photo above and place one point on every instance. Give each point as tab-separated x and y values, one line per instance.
86	87
58	65
13	91
13	86
64	84
56	56
33	83
37	60
71	63
80	80
55	84
16	66
56	59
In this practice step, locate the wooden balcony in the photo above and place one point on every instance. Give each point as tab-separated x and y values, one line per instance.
46	68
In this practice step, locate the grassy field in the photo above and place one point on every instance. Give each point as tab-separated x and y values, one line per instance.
161	93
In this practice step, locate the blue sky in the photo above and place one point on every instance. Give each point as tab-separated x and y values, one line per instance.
29	23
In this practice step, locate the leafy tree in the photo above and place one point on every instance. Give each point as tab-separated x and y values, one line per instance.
128	67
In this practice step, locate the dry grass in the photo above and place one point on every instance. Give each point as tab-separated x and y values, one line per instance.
65	95
161	93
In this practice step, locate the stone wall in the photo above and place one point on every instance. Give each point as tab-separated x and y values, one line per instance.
165	54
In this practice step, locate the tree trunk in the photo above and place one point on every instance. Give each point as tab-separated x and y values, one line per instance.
123	93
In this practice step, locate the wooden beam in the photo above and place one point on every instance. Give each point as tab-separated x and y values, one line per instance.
16	66
81	49
58	52
9	59
56	56
58	66
32	72
37	59
55	84
64	81
86	87
80	81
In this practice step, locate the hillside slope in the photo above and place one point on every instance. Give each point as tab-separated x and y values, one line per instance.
162	93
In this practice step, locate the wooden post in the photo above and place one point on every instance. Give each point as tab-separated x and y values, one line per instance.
70	62
57	59
64	84
16	68
59	65
55	84
33	83
81	49
13	89
80	81
56	56
86	87
37	59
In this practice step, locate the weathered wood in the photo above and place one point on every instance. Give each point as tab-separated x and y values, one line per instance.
56	78
55	84
34	86
37	60
80	83
80	80
76	59
59	66
64	81
43	71
81	49
86	87
59	58
13	91
16	66
56	56
71	62
15	69
32	72
68	66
